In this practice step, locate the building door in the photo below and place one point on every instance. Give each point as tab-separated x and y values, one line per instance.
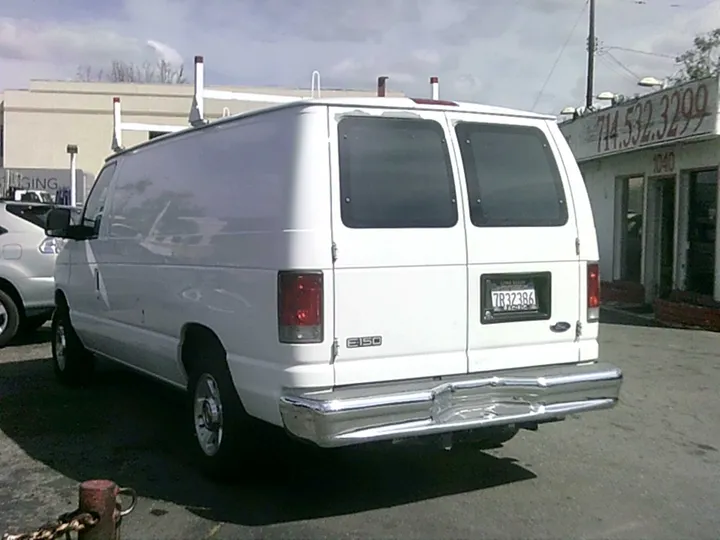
700	276
629	225
666	240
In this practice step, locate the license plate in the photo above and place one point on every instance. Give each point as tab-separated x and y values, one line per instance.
514	299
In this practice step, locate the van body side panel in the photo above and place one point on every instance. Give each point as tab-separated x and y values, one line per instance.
201	225
85	289
400	273
589	252
522	274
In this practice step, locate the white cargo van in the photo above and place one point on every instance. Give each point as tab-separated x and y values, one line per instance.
351	270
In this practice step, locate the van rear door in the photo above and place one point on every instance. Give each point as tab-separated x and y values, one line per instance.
400	270
523	267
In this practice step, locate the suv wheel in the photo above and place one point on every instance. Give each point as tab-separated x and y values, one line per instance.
72	363
9	318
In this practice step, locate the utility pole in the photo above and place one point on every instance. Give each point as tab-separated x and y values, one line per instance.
591	57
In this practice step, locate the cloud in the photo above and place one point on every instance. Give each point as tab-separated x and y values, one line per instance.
493	51
165	52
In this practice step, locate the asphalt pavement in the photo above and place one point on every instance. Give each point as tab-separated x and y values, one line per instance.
649	468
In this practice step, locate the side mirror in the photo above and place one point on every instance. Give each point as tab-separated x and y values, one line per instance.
58	223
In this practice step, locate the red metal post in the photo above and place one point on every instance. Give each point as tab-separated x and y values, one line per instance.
99	497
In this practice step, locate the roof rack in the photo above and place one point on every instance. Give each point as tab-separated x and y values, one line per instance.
119	126
197	110
196	117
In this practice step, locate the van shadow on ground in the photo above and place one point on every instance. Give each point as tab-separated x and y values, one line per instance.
130	429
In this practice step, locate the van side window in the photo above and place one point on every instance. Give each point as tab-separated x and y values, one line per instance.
512	177
395	173
95	204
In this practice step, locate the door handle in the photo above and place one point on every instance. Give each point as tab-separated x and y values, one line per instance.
97	280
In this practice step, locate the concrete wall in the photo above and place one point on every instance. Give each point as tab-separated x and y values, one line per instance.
41	121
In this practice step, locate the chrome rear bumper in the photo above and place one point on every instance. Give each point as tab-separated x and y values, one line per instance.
366	413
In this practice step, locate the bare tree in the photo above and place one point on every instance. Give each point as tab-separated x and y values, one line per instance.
163	72
702	60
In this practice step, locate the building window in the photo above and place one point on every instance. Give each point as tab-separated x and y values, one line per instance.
702	216
631	207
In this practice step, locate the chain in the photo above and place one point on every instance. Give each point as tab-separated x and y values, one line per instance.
64	525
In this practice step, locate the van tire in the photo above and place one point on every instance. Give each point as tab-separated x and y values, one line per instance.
73	364
9	320
212	398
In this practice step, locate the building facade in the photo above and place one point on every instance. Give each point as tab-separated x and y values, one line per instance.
38	123
651	169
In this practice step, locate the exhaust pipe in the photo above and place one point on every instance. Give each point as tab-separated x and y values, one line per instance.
434	88
381	86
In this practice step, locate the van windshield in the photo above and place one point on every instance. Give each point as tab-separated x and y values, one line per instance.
512	177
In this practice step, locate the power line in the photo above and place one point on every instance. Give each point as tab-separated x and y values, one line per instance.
623	66
638	51
612	67
559	56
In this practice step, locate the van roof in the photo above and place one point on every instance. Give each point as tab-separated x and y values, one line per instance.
365	102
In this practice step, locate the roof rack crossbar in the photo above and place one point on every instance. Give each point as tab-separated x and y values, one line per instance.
242	96
119	126
134	126
200	94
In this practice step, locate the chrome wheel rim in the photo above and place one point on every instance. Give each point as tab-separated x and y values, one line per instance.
208	415
3	318
60	346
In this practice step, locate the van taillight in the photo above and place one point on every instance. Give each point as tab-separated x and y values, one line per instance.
300	312
593	291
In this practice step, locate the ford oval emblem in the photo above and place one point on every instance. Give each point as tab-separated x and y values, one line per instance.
561	326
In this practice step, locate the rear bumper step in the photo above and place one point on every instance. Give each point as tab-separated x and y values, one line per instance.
359	414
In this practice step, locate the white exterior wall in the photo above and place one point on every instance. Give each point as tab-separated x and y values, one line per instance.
601	177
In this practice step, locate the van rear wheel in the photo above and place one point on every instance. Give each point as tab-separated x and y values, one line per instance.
73	364
221	427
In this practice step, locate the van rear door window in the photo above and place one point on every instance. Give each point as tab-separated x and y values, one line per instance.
512	177
395	173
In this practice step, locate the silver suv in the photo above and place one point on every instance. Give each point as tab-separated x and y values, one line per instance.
27	264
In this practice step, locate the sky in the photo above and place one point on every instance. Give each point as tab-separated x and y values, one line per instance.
526	54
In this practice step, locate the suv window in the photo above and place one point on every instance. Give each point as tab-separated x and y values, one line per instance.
35	214
395	173
95	204
512	177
